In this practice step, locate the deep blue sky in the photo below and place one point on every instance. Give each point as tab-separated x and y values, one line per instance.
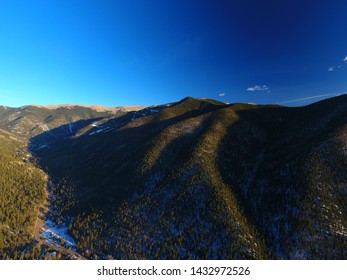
152	52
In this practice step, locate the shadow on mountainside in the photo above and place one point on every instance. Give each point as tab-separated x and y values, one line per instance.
105	166
160	169
57	134
266	158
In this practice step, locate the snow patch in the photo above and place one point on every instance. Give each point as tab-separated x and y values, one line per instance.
52	232
70	127
42	147
100	130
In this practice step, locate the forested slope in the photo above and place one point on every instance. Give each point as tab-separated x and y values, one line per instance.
22	192
202	179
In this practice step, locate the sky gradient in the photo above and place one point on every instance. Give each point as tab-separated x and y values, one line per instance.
130	52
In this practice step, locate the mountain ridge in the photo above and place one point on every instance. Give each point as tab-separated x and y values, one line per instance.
98	108
201	179
181	137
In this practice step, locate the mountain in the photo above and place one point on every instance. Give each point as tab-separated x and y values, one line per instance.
196	179
58	121
22	183
97	108
28	121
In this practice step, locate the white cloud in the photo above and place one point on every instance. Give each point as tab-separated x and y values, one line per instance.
258	88
345	59
222	94
331	68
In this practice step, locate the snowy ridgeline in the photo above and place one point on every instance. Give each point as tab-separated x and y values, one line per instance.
54	234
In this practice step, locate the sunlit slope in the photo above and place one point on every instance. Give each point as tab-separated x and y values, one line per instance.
29	121
202	179
22	192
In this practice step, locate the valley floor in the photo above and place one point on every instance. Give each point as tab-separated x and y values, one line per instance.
47	233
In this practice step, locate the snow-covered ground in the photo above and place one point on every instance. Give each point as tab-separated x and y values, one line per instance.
53	233
42	147
106	129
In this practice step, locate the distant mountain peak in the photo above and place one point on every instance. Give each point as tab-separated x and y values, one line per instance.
98	108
